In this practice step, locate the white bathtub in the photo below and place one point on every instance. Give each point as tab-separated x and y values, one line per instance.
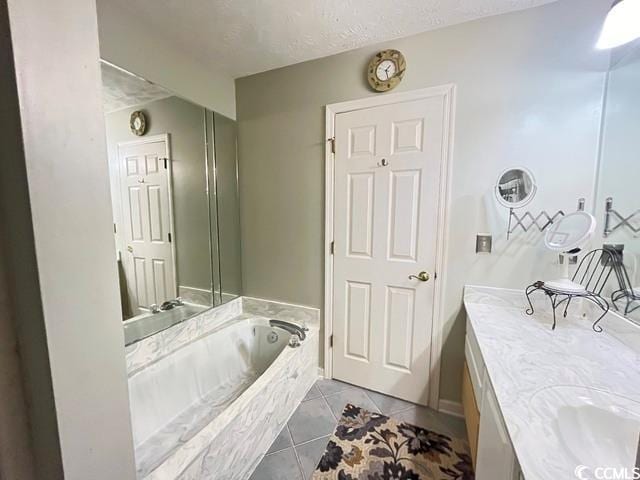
181	403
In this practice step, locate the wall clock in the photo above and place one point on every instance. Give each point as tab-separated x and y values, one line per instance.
138	123
386	70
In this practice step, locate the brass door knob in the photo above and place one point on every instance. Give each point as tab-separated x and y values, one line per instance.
422	276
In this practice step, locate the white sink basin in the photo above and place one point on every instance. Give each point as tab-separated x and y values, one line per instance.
594	428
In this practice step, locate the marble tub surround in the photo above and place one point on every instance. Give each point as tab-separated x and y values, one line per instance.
159	447
282	311
175	397
538	374
163	343
208	438
151	349
230	447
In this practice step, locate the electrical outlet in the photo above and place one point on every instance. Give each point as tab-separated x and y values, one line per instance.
484	243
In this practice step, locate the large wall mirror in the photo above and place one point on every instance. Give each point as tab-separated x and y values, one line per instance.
174	190
618	200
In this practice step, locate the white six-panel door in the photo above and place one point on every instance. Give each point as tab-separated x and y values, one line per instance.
146	211
386	192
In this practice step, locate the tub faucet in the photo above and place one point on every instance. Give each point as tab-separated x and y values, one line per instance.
292	328
169	304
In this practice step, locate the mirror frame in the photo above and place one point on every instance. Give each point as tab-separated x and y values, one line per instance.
527	199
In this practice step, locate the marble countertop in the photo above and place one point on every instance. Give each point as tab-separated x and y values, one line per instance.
524	357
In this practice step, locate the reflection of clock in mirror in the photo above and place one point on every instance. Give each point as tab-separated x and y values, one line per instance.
138	123
386	70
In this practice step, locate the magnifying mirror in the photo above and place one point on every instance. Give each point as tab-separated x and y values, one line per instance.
567	236
516	187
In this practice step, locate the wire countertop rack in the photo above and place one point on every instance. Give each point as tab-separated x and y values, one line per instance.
593	272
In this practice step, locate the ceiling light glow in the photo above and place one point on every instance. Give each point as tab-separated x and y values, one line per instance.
622	24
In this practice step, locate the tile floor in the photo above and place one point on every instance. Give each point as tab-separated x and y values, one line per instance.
297	450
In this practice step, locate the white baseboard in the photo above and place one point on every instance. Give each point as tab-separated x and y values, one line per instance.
320	372
451	408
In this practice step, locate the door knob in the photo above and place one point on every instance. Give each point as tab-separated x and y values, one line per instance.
422	276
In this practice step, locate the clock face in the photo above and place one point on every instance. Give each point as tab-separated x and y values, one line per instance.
386	70
138	123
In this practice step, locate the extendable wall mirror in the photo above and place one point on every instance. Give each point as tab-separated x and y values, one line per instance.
516	187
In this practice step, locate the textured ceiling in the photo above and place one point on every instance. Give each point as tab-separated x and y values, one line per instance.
249	36
121	89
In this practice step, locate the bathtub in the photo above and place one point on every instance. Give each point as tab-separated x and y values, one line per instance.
212	407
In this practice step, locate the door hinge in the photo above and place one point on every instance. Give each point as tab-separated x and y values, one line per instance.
435	275
169	235
165	162
332	248
331	341
333	144
115	229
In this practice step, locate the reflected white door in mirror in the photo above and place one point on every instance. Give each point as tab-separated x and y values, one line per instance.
149	260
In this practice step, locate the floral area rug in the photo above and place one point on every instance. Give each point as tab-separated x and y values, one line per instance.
371	446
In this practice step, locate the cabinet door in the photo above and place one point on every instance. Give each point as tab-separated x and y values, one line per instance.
471	412
496	458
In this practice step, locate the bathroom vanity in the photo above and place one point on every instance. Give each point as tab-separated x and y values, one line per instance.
493	454
545	404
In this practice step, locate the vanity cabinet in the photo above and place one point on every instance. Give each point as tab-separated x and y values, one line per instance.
491	450
495	459
471	412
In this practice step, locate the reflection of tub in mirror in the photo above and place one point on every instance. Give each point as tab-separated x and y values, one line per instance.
146	324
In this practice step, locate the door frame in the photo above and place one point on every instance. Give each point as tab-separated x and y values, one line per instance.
447	92
161	137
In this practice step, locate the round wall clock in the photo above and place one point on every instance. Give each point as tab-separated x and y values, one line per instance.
138	123
386	70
